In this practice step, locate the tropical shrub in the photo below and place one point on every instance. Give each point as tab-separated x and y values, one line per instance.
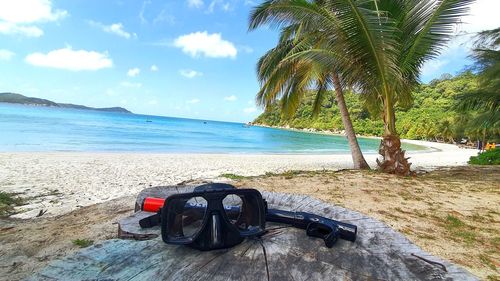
489	157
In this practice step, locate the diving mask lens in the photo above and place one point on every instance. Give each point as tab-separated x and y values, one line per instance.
244	212
186	216
232	207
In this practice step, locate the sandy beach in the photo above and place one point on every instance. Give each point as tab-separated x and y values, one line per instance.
60	182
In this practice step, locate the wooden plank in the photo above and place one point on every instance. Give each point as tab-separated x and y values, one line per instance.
284	253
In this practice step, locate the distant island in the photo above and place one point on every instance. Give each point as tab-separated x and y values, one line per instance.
20	99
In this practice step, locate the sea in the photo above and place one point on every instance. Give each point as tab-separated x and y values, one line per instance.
38	128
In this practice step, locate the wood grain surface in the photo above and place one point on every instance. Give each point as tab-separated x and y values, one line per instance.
284	253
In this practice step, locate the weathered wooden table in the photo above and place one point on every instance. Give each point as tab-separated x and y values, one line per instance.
284	253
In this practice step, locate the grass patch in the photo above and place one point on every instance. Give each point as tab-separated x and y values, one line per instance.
287	174
406	195
232	176
83	243
426	236
453	222
495	241
487	261
492	278
7	203
420	214
458	229
290	174
401	210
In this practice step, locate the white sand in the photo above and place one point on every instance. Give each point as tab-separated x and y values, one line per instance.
60	182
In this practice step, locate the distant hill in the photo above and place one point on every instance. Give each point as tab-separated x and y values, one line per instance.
20	99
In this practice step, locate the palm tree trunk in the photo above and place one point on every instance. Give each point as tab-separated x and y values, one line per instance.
357	156
393	157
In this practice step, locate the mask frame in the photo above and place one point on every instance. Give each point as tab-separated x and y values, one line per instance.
217	231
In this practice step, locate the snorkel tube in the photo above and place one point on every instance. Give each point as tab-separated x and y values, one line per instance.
316	226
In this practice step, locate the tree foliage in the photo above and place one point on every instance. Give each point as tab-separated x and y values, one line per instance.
489	157
484	101
433	115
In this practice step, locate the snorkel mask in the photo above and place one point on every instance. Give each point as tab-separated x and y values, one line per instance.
217	215
213	216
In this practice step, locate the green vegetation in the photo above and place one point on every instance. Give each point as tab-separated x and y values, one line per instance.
289	174
290	79
459	230
432	116
232	176
7	203
82	243
17	98
487	261
20	99
376	47
483	103
489	157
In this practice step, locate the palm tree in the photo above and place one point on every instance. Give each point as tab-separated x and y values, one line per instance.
379	46
288	79
446	130
485	100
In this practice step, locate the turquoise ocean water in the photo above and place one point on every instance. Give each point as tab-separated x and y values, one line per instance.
35	128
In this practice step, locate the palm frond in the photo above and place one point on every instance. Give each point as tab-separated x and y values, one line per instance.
479	100
322	85
427	27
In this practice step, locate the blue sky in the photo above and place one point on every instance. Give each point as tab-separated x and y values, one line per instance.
183	58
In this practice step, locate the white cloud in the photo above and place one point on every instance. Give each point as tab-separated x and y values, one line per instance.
188	73
250	102
246	49
29	11
14	29
433	66
483	16
209	45
193	101
115	28
195	3
19	16
69	59
250	3
130	84
143	9
133	72
153	102
154	68
230	98
249	109
224	6
6	54
164	16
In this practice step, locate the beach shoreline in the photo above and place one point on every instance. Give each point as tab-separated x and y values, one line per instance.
342	134
59	182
